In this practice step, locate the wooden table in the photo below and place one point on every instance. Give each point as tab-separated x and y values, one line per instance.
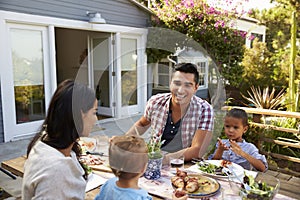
16	166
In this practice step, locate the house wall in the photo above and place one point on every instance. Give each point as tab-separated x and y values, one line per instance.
123	13
1	119
116	12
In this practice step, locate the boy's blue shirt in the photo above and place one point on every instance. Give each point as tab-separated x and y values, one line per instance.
247	147
110	191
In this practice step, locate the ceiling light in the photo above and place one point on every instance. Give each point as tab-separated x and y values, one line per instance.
95	18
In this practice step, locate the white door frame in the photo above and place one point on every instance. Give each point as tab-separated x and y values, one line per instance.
50	23
12	130
123	111
108	111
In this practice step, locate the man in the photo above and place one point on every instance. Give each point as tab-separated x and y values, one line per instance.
182	120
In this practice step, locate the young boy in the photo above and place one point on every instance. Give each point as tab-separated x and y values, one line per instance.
128	160
235	148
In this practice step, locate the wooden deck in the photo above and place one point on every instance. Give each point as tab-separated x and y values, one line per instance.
289	185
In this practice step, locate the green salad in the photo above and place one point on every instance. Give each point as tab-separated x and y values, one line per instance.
260	190
211	168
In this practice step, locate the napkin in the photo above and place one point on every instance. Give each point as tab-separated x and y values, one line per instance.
94	181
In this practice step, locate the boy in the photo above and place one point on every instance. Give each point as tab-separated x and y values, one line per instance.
128	159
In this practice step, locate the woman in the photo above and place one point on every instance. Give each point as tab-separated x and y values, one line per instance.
52	170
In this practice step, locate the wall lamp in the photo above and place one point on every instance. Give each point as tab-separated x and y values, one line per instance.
95	18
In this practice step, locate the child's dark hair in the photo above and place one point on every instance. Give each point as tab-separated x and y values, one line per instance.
240	114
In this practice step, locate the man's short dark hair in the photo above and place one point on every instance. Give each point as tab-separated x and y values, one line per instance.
188	68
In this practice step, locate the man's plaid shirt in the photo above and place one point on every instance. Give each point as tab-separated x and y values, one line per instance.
198	116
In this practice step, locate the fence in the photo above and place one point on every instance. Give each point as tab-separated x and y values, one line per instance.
283	142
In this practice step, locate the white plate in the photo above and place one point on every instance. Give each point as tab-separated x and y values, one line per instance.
87	143
239	170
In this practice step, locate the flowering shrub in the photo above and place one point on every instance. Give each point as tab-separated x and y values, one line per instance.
211	27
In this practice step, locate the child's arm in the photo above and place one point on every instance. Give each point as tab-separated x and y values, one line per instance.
219	152
256	163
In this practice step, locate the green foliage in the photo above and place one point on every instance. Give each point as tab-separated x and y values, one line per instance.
278	34
259	68
210	27
154	145
279	135
265	99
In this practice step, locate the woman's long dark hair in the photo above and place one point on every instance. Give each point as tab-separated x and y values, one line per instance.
63	124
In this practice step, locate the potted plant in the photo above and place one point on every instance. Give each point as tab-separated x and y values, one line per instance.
155	156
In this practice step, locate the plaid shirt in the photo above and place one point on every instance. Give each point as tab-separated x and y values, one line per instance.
198	116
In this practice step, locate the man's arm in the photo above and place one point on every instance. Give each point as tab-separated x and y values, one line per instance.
198	148
140	127
200	143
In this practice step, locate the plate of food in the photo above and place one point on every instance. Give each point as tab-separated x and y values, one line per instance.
195	185
87	143
95	162
217	168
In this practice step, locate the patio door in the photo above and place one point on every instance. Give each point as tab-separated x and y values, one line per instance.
101	48
25	98
131	77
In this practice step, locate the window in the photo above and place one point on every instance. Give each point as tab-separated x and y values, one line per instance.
28	74
202	73
162	73
255	35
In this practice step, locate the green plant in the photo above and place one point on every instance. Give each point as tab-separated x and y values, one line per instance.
229	101
154	145
282	136
264	99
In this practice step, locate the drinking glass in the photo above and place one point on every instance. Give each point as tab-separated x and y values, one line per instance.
102	144
176	162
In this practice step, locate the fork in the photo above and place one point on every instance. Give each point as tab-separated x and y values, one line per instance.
246	186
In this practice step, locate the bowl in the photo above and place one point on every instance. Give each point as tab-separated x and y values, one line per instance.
263	187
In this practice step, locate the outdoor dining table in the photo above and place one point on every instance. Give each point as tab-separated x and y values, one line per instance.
159	189
16	167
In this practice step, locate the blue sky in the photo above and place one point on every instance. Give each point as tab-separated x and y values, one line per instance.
245	4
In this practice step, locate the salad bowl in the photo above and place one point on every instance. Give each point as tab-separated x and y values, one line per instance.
262	187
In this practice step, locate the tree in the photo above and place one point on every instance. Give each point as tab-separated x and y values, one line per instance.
258	67
278	38
210	27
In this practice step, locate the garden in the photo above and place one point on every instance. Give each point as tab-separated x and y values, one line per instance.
261	79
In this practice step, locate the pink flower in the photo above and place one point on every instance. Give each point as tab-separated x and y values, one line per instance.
188	3
183	17
251	37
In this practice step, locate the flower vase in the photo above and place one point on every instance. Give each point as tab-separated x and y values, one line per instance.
154	166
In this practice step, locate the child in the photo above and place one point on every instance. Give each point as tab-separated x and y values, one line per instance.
128	160
235	148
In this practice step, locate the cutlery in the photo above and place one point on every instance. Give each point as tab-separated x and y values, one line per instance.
246	186
95	153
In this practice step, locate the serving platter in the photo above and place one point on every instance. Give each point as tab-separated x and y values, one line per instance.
239	170
207	186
